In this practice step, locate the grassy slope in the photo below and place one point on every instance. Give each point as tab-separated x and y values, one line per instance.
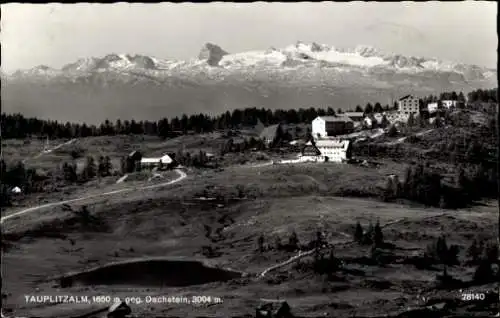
168	222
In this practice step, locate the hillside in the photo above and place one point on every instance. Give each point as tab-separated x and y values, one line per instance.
300	75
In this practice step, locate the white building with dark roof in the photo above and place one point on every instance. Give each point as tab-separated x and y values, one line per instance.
156	162
330	126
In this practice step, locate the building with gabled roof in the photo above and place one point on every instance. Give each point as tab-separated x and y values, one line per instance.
330	126
165	160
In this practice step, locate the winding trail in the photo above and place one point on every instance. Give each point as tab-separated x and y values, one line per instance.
50	150
259	165
303	254
182	176
122	179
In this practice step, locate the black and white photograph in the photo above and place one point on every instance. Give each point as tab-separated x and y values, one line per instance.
261	159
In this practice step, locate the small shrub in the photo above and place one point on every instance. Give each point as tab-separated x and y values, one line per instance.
208	230
483	273
261	243
358	233
277	243
241	191
293	242
322	265
392	132
378	237
368	235
490	253
318	241
210	252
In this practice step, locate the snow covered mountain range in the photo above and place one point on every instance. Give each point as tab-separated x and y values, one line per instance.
300	75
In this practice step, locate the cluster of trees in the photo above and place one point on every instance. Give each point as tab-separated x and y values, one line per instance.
320	264
30	181
480	253
91	170
374	108
438	252
372	236
199	159
422	184
17	175
478	95
483	95
457	150
444	96
18	126
483	254
245	144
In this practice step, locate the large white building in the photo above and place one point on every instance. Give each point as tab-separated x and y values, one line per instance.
333	150
329	126
408	105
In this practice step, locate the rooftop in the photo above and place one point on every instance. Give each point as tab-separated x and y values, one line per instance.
405	97
270	131
338	118
353	113
332	143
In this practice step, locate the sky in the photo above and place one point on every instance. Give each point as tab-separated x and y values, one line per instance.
58	34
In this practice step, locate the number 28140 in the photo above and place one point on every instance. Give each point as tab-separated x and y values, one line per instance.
473	296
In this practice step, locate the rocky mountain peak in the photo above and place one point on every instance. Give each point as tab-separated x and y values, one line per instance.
212	54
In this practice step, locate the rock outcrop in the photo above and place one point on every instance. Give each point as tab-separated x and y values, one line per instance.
212	54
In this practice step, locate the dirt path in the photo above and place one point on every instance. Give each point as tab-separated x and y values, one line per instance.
182	176
258	165
400	140
122	179
302	254
50	150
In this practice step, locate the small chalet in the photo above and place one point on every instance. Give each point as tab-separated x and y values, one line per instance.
165	161
310	150
16	190
373	120
432	107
